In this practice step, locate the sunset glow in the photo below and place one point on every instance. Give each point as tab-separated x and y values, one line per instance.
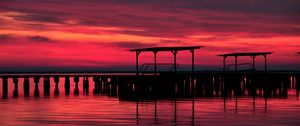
91	33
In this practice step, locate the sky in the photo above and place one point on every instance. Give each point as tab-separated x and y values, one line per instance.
97	34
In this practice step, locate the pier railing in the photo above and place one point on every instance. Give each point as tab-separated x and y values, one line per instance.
145	67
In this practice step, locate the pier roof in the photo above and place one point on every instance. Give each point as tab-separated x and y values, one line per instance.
166	48
247	54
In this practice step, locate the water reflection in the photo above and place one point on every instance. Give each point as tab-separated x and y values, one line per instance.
103	108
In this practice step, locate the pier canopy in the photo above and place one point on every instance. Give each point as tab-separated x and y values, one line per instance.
166	48
246	54
251	54
155	50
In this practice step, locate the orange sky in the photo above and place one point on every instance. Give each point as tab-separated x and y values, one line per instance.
99	33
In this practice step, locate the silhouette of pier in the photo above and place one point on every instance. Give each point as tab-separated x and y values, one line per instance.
173	85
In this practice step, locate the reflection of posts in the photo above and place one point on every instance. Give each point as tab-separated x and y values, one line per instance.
36	89
193	98
135	90
16	83
175	103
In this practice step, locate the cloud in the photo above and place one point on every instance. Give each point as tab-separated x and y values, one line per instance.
132	44
170	18
124	44
38	18
38	38
12	39
6	37
171	41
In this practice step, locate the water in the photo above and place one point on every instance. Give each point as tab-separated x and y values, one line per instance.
107	110
103	110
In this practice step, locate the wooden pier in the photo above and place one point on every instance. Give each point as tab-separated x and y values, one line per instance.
157	85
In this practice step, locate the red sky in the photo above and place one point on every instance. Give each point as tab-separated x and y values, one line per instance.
98	33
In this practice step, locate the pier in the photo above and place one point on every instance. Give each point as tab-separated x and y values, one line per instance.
138	87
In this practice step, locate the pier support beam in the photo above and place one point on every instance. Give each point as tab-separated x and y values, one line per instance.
266	102
97	86
16	84
224	63
137	62
46	86
155	64
193	60
236	81
252	81
4	87
67	86
86	85
36	90
76	90
174	52
26	87
266	67
56	90
223	81
253	63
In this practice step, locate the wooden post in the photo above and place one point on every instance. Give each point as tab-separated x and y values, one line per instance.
137	62
16	91
155	65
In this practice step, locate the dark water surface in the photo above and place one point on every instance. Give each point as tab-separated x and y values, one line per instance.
103	110
106	110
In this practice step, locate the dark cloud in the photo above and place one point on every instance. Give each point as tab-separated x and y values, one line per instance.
170	18
216	38
38	38
124	44
171	41
38	18
132	44
6	37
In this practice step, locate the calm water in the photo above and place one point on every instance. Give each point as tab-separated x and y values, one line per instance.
104	110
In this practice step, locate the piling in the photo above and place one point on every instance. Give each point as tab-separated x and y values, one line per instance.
36	90
67	86
76	90
46	86
56	90
26	87
4	87
16	84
